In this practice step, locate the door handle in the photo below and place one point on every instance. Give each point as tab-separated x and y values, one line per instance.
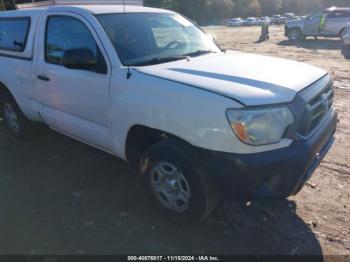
43	78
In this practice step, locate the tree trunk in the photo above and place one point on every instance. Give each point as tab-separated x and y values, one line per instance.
2	7
9	4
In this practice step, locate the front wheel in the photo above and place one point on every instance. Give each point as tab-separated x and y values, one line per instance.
342	33
176	185
295	35
346	51
18	125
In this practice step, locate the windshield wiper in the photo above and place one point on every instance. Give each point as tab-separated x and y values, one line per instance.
160	60
199	53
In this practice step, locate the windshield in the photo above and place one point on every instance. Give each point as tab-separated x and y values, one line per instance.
150	38
314	15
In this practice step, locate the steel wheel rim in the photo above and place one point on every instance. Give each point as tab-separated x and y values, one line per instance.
170	187
11	117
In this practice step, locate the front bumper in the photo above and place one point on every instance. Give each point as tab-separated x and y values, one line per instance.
273	174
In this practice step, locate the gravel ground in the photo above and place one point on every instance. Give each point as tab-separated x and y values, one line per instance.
58	196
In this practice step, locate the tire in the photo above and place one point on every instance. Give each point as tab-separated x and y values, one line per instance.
346	51
295	34
176	185
17	124
342	33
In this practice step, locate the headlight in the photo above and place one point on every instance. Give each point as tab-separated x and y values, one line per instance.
260	126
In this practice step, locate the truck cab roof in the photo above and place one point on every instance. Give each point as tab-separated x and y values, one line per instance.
93	9
338	9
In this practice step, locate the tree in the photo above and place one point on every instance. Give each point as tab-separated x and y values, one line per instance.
270	7
253	8
9	4
208	11
2	6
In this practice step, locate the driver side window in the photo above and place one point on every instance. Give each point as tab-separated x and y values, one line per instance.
64	33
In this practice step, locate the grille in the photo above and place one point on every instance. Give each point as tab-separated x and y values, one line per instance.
317	108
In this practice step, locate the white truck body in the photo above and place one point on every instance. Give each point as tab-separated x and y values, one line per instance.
187	99
272	84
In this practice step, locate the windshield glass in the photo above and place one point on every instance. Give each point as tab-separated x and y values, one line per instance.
314	15
150	38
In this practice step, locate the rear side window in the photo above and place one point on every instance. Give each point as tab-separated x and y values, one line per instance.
340	14
13	33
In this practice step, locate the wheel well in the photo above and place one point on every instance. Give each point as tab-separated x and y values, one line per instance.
295	28
3	90
341	31
140	138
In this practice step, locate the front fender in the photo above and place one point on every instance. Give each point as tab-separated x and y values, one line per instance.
194	115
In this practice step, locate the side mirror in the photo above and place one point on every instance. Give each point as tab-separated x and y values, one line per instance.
80	58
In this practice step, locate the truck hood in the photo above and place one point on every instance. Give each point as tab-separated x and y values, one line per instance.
248	78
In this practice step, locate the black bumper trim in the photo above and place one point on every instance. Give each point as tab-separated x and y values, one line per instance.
273	174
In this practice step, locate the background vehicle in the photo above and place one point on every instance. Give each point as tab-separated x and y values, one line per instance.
337	19
283	20
346	43
264	20
250	21
133	81
276	19
290	16
235	22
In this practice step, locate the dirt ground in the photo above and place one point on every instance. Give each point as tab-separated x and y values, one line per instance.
324	205
58	196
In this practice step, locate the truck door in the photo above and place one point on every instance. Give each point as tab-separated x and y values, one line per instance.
312	24
336	21
73	101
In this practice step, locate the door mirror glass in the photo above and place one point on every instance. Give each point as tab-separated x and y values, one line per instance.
79	58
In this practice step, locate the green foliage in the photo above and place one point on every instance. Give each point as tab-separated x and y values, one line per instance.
211	11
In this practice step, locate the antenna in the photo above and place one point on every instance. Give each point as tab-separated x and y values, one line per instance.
128	75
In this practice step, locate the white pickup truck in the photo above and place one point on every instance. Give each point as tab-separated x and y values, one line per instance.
150	87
